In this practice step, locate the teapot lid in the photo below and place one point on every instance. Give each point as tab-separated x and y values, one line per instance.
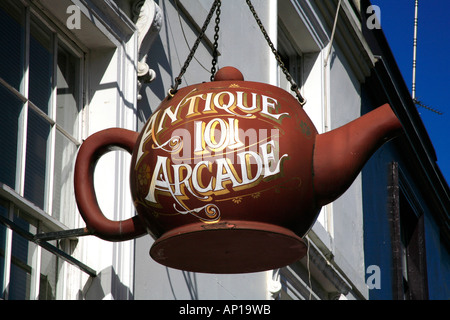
228	74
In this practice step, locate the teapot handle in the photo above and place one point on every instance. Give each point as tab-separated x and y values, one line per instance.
94	147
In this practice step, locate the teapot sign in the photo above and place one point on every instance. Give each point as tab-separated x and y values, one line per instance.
214	164
227	176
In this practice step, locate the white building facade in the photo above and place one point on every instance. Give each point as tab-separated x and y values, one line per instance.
76	67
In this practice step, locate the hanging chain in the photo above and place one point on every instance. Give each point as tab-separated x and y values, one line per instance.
294	86
216	7
174	87
216	41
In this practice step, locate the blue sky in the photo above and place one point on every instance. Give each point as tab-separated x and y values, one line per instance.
433	62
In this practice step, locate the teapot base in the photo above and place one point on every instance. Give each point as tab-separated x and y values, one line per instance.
228	247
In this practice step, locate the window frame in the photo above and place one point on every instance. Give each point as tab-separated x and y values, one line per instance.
292	59
41	219
56	38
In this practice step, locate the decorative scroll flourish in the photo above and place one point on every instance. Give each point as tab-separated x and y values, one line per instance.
175	144
211	211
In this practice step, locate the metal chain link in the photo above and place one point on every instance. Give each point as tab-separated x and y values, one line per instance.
294	86
216	41
174	87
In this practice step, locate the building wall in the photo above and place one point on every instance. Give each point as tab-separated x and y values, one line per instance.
380	249
330	67
438	262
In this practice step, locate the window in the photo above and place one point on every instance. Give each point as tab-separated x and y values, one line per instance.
408	240
291	60
41	108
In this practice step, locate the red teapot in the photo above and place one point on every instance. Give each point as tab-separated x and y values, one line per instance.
227	176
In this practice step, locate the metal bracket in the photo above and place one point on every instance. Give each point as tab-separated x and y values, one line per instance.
57	235
42	238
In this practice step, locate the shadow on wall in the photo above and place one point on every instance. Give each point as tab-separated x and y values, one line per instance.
107	284
191	283
158	62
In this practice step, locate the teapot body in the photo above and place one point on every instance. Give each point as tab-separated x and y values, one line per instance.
225	151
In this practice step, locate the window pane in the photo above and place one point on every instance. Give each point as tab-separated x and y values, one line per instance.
11	107
11	44
3	213
64	205
67	82
35	172
22	253
49	269
41	70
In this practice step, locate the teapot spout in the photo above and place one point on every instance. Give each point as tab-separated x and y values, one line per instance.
340	154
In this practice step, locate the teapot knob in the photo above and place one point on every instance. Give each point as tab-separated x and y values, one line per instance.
228	74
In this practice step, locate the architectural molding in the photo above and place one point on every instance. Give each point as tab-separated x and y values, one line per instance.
274	284
148	19
349	37
325	281
326	267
